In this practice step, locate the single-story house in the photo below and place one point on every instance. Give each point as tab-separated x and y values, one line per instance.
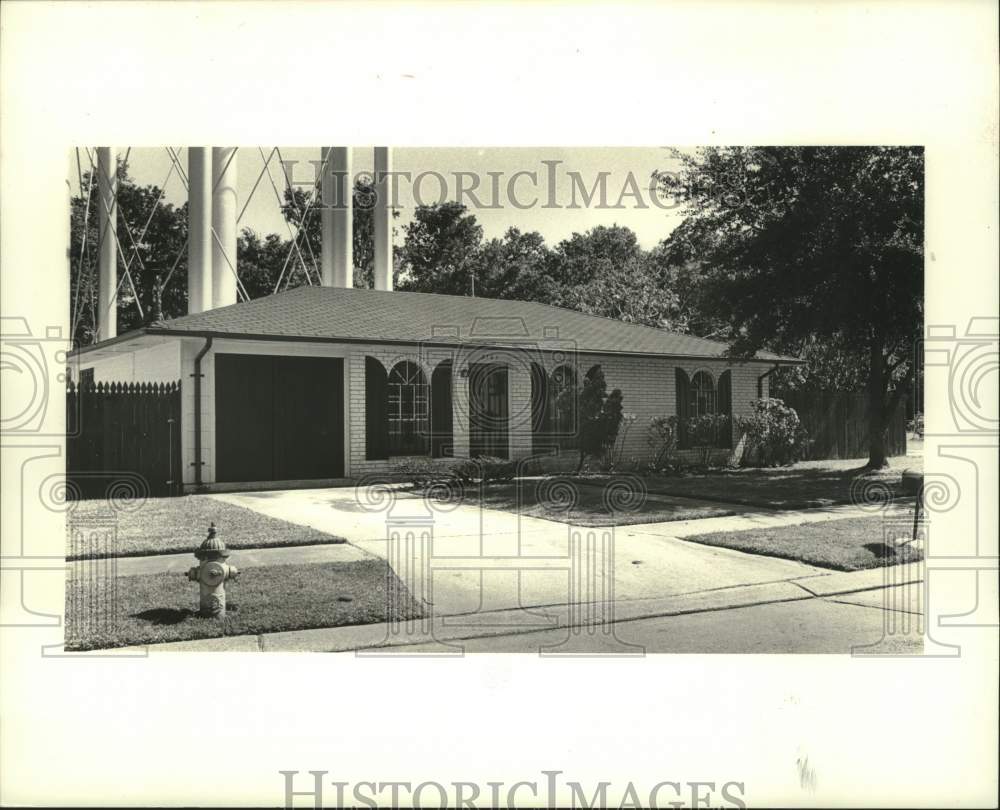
324	383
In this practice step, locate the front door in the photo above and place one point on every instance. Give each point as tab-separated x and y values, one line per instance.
489	420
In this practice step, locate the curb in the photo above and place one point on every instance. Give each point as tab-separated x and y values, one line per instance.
376	637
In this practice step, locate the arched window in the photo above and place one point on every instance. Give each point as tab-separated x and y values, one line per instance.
702	396
408	412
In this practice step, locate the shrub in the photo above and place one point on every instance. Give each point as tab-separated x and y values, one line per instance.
488	468
600	415
708	431
774	435
425	472
662	439
613	457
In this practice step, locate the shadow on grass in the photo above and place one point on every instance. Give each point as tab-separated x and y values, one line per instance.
882	551
578	501
165	616
785	487
845	544
151	608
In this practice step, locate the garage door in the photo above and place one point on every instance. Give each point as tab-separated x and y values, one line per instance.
278	418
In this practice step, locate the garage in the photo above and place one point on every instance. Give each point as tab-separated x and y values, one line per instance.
278	418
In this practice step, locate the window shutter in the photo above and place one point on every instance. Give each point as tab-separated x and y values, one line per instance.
442	438
376	411
724	400
539	408
683	387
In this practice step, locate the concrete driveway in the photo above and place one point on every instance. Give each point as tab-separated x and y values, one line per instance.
648	561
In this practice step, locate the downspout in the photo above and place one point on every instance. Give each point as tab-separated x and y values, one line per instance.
197	411
764	376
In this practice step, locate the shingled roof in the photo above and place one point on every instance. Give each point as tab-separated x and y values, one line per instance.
376	316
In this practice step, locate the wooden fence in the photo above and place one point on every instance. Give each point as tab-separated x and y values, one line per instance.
837	423
127	434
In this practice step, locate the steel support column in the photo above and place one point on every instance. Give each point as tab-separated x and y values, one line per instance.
199	229
107	279
383	218
337	196
224	211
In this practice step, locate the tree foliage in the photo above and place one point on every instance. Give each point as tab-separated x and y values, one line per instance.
305	215
813	251
151	235
517	266
152	244
599	414
814	246
440	248
774	434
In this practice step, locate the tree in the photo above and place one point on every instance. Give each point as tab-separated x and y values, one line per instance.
599	414
815	244
151	238
678	265
152	243
627	292
440	250
261	259
584	257
515	266
297	209
604	271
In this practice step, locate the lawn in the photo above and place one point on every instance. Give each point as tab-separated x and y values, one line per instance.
578	502
170	525
806	485
163	607
850	544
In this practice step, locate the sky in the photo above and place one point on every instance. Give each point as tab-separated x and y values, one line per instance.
544	189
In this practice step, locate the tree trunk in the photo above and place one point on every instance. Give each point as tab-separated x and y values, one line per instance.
877	424
877	450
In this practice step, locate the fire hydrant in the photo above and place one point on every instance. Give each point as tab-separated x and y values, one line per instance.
212	574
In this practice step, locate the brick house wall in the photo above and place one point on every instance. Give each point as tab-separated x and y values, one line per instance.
647	384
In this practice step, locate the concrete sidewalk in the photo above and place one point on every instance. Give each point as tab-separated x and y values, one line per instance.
650	561
837	614
488	581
